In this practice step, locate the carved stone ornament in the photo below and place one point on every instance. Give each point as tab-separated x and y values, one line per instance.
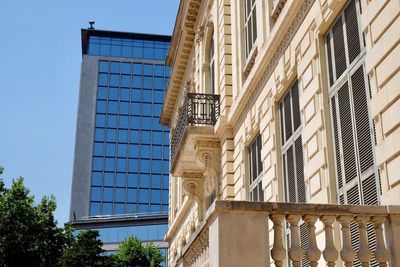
209	182
199	34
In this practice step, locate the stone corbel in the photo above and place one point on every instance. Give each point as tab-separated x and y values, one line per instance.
192	183
209	159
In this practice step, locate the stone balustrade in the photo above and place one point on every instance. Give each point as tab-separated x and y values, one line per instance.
236	233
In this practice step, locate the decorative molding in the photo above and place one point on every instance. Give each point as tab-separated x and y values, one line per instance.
199	34
305	8
197	175
197	247
202	143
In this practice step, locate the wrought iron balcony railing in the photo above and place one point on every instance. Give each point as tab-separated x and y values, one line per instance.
197	110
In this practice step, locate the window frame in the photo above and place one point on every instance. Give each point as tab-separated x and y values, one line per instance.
255	181
249	21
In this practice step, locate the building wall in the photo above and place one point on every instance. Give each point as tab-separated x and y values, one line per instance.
291	46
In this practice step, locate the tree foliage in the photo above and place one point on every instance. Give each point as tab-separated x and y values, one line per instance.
85	250
133	253
29	235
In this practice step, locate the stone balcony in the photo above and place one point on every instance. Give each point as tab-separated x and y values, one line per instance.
239	233
195	124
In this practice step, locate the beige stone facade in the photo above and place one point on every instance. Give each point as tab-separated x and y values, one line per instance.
283	101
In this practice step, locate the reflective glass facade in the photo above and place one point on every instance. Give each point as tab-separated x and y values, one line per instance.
127	48
121	166
131	149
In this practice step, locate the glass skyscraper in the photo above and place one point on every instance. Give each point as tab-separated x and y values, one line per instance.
121	166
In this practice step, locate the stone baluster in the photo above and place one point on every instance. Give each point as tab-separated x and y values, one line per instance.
364	253
278	252
381	253
295	251
313	253
330	253
347	253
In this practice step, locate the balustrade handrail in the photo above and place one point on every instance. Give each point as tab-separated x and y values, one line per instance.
377	224
197	110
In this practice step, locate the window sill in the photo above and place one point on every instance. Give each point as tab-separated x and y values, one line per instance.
251	58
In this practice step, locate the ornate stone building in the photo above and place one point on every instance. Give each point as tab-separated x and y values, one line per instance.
285	133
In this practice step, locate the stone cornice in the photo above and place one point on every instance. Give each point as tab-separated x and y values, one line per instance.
182	43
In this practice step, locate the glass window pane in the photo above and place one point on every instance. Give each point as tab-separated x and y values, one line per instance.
156	152
156	166
99	134
112	121
110	149
120	194
132	180
156	181
101	106
135	109
133	165
97	164
147	109
133	151
137	69
146	136
107	209
123	122
108	193
122	150
137	81
120	180
134	136
138	52
124	94
112	107
155	196
113	93
132	195
123	136
109	164
95	194
115	67
111	135
114	80
98	149
144	180
126	81
119	209
95	209
121	165
97	178
103	79
131	208
135	122
144	151
143	196
100	120
103	66
109	179
102	92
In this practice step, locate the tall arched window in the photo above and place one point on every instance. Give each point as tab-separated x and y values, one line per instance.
212	65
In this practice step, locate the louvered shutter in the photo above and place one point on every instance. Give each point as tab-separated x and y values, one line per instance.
358	180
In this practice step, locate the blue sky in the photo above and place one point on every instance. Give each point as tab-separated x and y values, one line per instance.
40	56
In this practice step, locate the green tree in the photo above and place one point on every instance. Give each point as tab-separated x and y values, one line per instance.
133	253
85	250
29	235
